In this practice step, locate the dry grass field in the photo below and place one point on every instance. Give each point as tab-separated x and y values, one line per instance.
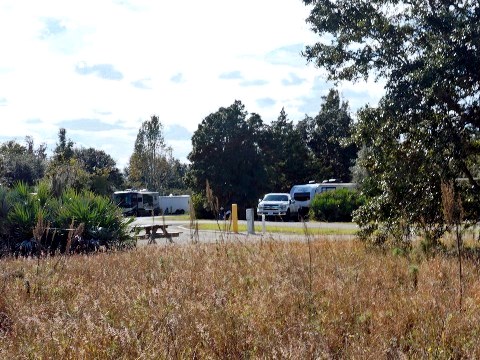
299	300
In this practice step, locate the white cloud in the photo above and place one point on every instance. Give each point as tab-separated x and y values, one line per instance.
165	58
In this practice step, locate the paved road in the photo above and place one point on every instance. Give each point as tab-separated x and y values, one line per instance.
188	235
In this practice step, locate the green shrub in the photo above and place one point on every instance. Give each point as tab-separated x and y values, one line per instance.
335	205
23	212
200	207
95	212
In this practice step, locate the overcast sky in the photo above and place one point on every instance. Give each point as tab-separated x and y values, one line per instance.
99	68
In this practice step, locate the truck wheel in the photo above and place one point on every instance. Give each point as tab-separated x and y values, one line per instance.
287	215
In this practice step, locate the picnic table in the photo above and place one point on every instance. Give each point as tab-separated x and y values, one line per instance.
152	233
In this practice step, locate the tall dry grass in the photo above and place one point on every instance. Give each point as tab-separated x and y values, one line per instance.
236	300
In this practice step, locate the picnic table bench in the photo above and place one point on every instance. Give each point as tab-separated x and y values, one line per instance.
151	232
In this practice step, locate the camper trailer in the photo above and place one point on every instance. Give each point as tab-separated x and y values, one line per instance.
137	202
175	204
304	194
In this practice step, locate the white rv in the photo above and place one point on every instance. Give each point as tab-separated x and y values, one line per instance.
175	204
137	202
304	194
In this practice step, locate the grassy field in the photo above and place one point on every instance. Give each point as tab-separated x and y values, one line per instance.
226	226
309	299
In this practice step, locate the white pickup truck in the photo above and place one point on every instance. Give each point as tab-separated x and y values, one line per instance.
278	204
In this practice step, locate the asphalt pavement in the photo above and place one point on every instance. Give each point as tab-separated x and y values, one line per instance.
188	235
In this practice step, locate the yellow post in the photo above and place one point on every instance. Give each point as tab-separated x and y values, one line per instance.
234	218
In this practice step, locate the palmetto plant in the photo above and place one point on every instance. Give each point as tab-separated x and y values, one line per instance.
101	217
4	208
21	211
22	214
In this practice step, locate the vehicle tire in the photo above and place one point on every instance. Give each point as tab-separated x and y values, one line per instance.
287	216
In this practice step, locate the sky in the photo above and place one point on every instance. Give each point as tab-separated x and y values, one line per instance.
100	68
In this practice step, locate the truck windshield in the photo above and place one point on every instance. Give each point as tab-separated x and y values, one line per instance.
275	197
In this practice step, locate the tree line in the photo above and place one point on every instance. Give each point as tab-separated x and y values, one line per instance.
240	156
151	165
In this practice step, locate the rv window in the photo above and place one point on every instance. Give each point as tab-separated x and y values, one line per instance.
124	200
327	188
148	199
302	196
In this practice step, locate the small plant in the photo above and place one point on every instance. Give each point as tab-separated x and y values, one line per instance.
453	215
213	205
413	272
200	207
194	235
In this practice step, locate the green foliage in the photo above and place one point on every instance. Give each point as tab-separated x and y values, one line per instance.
151	163
226	152
104	176
287	157
21	163
242	158
94	212
22	215
43	193
64	170
66	175
63	152
23	218
403	182
425	130
21	210
328	136
337	205
80	169
4	209
200	207
175	179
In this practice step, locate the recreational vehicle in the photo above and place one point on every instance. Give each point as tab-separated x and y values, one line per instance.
304	194
175	204
137	202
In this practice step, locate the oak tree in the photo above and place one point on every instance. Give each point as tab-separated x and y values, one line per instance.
425	130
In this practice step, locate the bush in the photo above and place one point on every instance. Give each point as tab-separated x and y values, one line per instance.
102	219
26	214
201	208
335	205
